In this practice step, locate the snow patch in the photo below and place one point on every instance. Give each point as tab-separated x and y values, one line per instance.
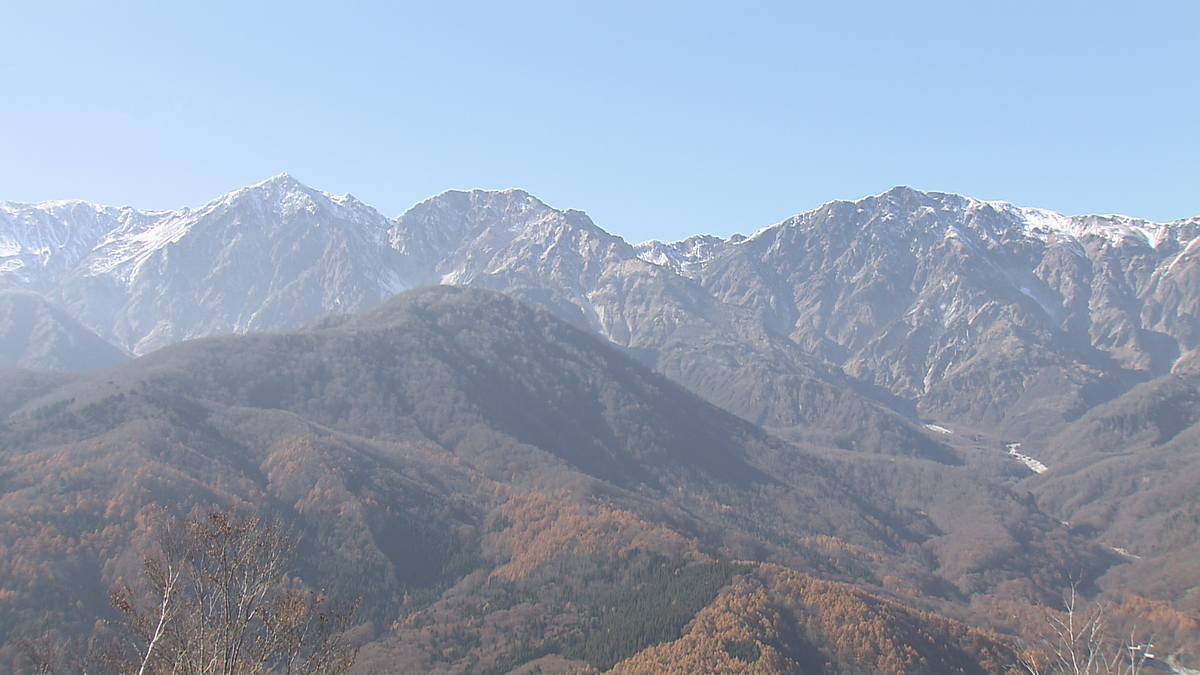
678	256
1048	309
1041	224
8	247
1033	465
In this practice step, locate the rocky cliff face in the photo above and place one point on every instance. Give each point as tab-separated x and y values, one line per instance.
511	242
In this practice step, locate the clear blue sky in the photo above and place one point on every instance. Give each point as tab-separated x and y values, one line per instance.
659	119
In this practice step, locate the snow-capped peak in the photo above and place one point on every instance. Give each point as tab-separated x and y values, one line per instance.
679	255
51	235
274	187
1041	223
1034	223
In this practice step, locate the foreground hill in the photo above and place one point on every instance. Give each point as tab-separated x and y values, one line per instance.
469	465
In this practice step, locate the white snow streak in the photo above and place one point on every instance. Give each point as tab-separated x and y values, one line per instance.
1034	465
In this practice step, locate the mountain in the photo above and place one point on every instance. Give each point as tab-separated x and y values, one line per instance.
511	242
36	334
41	242
265	257
276	254
469	463
942	361
994	318
981	314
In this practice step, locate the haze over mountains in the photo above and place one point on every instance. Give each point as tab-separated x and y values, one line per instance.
916	353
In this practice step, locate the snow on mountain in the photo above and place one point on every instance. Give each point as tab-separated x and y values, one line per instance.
511	241
969	307
679	256
271	204
917	294
944	214
1042	224
267	256
41	241
275	254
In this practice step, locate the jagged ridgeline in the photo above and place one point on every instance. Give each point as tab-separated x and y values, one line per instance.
501	488
978	314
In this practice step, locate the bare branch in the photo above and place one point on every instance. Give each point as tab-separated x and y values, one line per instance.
219	604
1075	641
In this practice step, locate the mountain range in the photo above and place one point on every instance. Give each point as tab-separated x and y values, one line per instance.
980	401
950	308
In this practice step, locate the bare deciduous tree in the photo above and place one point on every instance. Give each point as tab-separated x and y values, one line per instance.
1076	642
216	600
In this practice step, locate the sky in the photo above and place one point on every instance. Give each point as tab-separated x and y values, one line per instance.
659	119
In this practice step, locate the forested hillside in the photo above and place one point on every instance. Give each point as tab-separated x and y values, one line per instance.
502	488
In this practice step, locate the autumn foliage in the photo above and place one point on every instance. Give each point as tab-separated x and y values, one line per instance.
544	527
781	621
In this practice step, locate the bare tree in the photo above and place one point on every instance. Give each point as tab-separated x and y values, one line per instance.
52	654
42	655
215	600
1076	642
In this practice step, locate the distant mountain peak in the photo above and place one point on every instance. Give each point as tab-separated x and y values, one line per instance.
284	194
282	180
906	212
275	185
511	197
439	221
678	256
